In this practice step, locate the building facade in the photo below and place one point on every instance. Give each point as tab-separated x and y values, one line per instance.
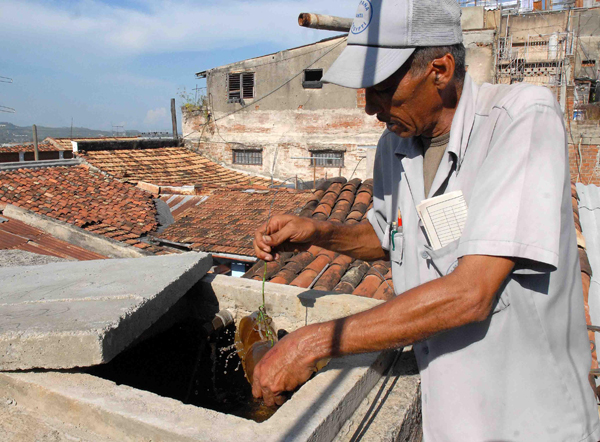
272	115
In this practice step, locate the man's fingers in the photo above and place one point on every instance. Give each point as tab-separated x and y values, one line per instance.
281	236
256	388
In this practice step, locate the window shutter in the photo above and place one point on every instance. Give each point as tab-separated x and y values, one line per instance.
248	85
234	86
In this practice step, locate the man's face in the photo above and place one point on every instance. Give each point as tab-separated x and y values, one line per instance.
403	102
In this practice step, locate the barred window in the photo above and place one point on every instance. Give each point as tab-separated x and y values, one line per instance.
251	157
327	158
239	86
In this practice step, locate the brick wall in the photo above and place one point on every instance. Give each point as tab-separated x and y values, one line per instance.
361	100
584	167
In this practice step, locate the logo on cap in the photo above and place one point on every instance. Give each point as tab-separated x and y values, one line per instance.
363	17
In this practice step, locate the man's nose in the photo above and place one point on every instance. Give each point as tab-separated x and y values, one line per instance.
373	104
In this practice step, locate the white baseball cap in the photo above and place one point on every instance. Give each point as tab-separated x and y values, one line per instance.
384	35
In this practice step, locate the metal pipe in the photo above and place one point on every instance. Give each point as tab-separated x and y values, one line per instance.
36	152
324	22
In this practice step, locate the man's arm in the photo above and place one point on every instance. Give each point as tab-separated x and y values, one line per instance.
462	297
293	233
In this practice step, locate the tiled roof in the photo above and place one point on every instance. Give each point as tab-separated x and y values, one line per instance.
338	201
169	166
225	221
85	198
16	235
43	147
65	143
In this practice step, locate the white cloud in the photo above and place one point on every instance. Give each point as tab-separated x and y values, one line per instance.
157	118
91	27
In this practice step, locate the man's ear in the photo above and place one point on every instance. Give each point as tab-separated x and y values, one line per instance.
443	68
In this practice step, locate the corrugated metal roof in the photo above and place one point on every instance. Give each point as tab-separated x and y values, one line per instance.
589	215
180	203
16	235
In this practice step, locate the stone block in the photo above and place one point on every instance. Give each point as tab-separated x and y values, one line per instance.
74	314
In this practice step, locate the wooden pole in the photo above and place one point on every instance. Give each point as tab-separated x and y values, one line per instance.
174	119
36	152
324	22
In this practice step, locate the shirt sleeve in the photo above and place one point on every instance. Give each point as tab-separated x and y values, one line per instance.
514	208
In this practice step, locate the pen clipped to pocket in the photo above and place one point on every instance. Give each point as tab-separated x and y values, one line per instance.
396	228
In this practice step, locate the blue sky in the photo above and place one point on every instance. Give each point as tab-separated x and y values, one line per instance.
119	62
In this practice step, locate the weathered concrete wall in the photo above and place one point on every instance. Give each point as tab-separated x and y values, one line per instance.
281	135
480	54
285	120
472	18
283	72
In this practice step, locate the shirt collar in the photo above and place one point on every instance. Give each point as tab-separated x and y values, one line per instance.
462	124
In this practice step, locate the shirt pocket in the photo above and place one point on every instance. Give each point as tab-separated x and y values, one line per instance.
445	260
397	247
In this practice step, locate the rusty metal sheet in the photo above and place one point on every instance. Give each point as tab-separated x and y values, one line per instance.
15	234
21	229
10	241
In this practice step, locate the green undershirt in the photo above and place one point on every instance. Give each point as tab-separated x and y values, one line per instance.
433	152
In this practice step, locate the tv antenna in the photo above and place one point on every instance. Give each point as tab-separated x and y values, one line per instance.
118	130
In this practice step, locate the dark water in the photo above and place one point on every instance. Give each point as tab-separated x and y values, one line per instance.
181	363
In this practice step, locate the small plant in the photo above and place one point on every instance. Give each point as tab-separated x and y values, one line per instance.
193	102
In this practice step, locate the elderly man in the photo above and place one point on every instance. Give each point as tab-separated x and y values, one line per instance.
496	317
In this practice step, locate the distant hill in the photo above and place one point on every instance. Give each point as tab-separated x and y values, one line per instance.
9	133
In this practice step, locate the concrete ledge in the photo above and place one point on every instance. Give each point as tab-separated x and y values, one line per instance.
291	307
78	314
74	235
315	413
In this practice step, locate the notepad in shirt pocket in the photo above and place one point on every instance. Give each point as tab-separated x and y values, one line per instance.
444	218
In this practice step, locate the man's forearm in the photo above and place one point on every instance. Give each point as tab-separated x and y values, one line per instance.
440	305
358	241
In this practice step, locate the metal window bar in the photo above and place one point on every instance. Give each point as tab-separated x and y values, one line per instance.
327	159
247	157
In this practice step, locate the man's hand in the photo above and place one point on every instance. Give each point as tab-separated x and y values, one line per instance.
284	233
290	233
285	367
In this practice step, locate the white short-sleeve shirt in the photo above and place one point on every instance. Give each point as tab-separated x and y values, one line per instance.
521	375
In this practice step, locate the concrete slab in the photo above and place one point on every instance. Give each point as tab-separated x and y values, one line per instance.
77	314
119	412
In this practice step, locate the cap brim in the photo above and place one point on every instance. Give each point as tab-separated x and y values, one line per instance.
365	66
